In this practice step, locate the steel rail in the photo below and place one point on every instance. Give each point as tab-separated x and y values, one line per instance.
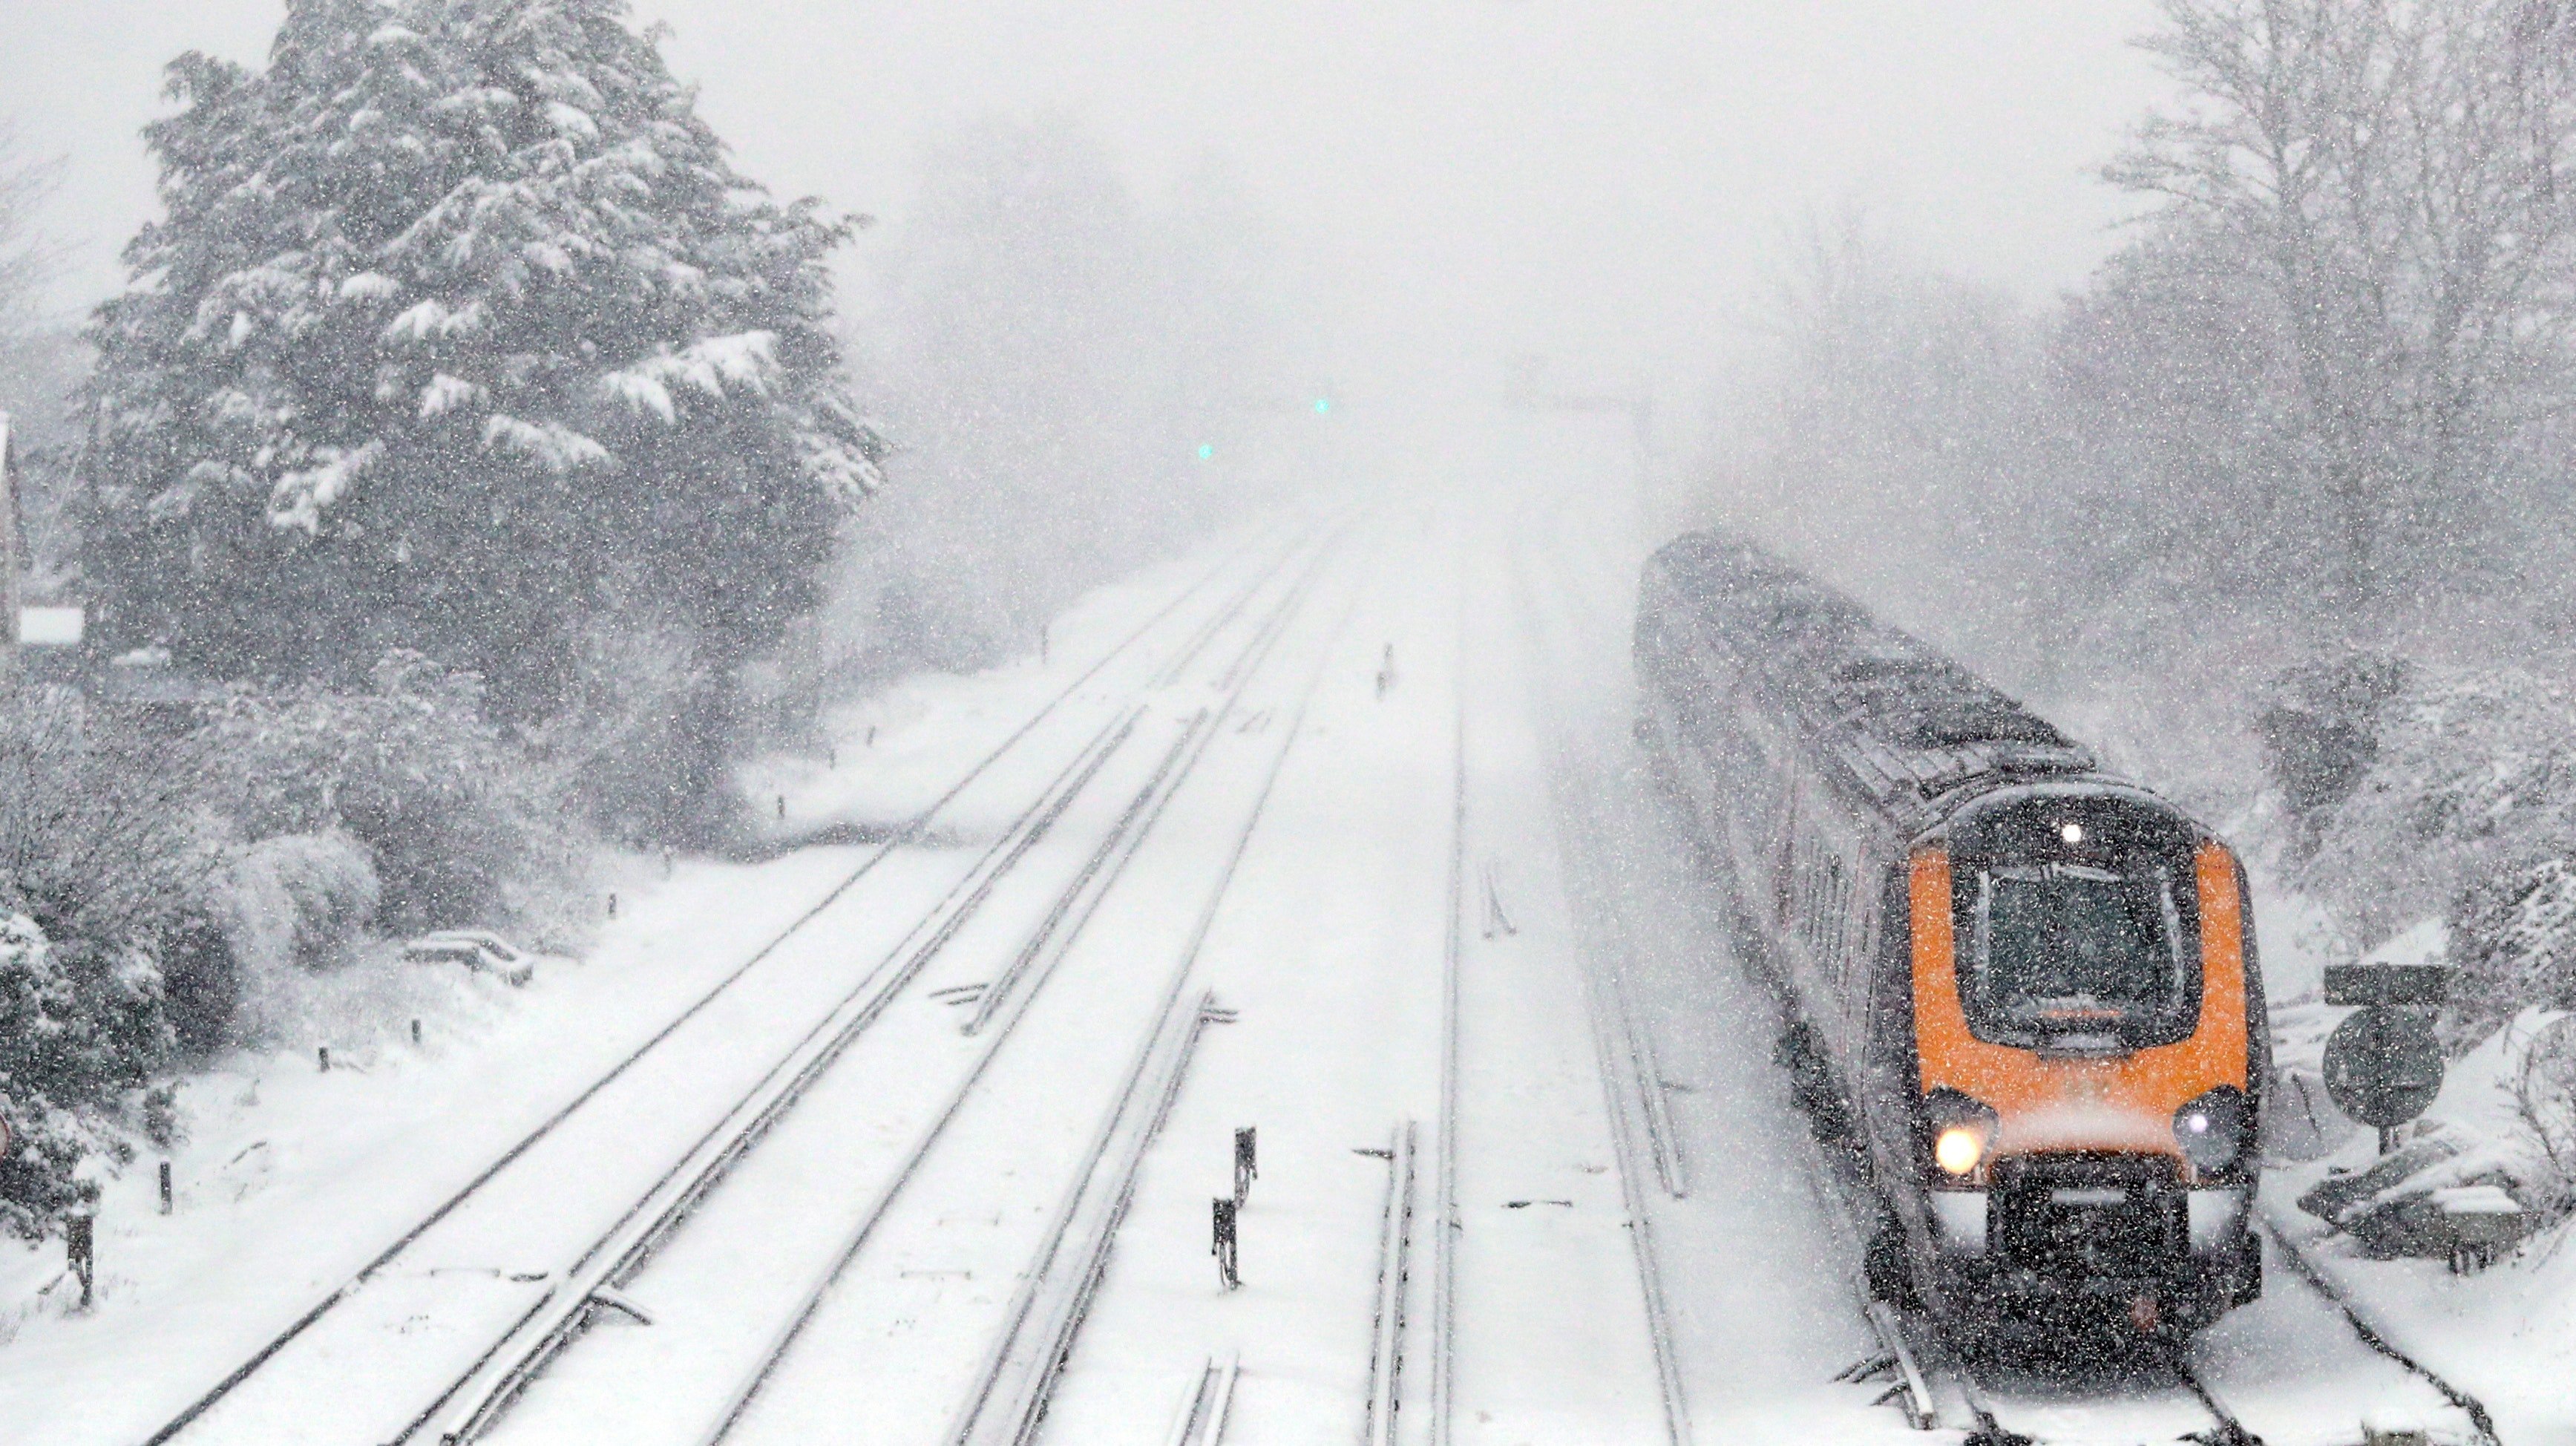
496	1376
1203	1414
1394	1268
2370	1335
1023	1367
1187	750
1628	1093
1671	1169
2229	1431
1444	1252
1919	1373
1021	1371
1914	1386
1122	839
1126	836
1922	1412
910	832
1924	1367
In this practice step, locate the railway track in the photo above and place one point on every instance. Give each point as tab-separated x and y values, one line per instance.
1008	1403
1928	1377
565	1300
1446	1224
1518	1004
1006	1395
1641	1128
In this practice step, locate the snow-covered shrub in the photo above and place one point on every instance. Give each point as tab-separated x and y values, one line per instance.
298	899
2513	943
2473	784
102	835
460	825
2320	729
201	981
78	1028
641	741
105	851
2544	1096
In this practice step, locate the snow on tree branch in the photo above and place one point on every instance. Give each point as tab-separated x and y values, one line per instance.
437	259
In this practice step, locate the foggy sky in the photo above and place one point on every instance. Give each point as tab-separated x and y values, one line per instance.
1604	182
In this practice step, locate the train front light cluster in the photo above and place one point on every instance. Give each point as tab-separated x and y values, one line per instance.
2211	1130
1962	1131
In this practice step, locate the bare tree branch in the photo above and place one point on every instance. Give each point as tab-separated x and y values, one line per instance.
2400	166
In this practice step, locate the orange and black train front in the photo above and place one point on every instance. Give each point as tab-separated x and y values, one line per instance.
2089	1050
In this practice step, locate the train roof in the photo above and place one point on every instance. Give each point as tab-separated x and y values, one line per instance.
1903	719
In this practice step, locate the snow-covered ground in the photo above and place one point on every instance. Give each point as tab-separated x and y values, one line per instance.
1330	957
2506	1334
290	1179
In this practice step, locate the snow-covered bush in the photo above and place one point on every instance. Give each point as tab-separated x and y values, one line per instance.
2544	1096
2472	788
643	734
298	899
78	1028
2513	943
459	824
106	848
102	835
2320	729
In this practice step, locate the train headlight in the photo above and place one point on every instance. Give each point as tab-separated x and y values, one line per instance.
1959	1148
2211	1131
1962	1132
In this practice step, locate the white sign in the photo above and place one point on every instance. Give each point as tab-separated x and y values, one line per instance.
50	627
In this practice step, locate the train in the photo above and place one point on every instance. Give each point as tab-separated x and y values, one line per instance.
2021	993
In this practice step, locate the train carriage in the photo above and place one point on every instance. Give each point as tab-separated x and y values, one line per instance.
2025	990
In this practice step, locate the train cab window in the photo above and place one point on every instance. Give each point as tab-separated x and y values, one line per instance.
2079	935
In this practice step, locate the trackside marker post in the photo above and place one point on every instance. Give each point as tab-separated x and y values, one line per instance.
80	1251
1245	1169
1224	1247
165	1187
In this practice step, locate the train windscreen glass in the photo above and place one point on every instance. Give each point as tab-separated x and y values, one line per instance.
2077	930
2070	949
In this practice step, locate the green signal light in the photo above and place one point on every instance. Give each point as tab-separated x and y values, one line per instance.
1323	405
1206	450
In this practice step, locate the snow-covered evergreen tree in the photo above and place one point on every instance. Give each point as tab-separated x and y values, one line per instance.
460	330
